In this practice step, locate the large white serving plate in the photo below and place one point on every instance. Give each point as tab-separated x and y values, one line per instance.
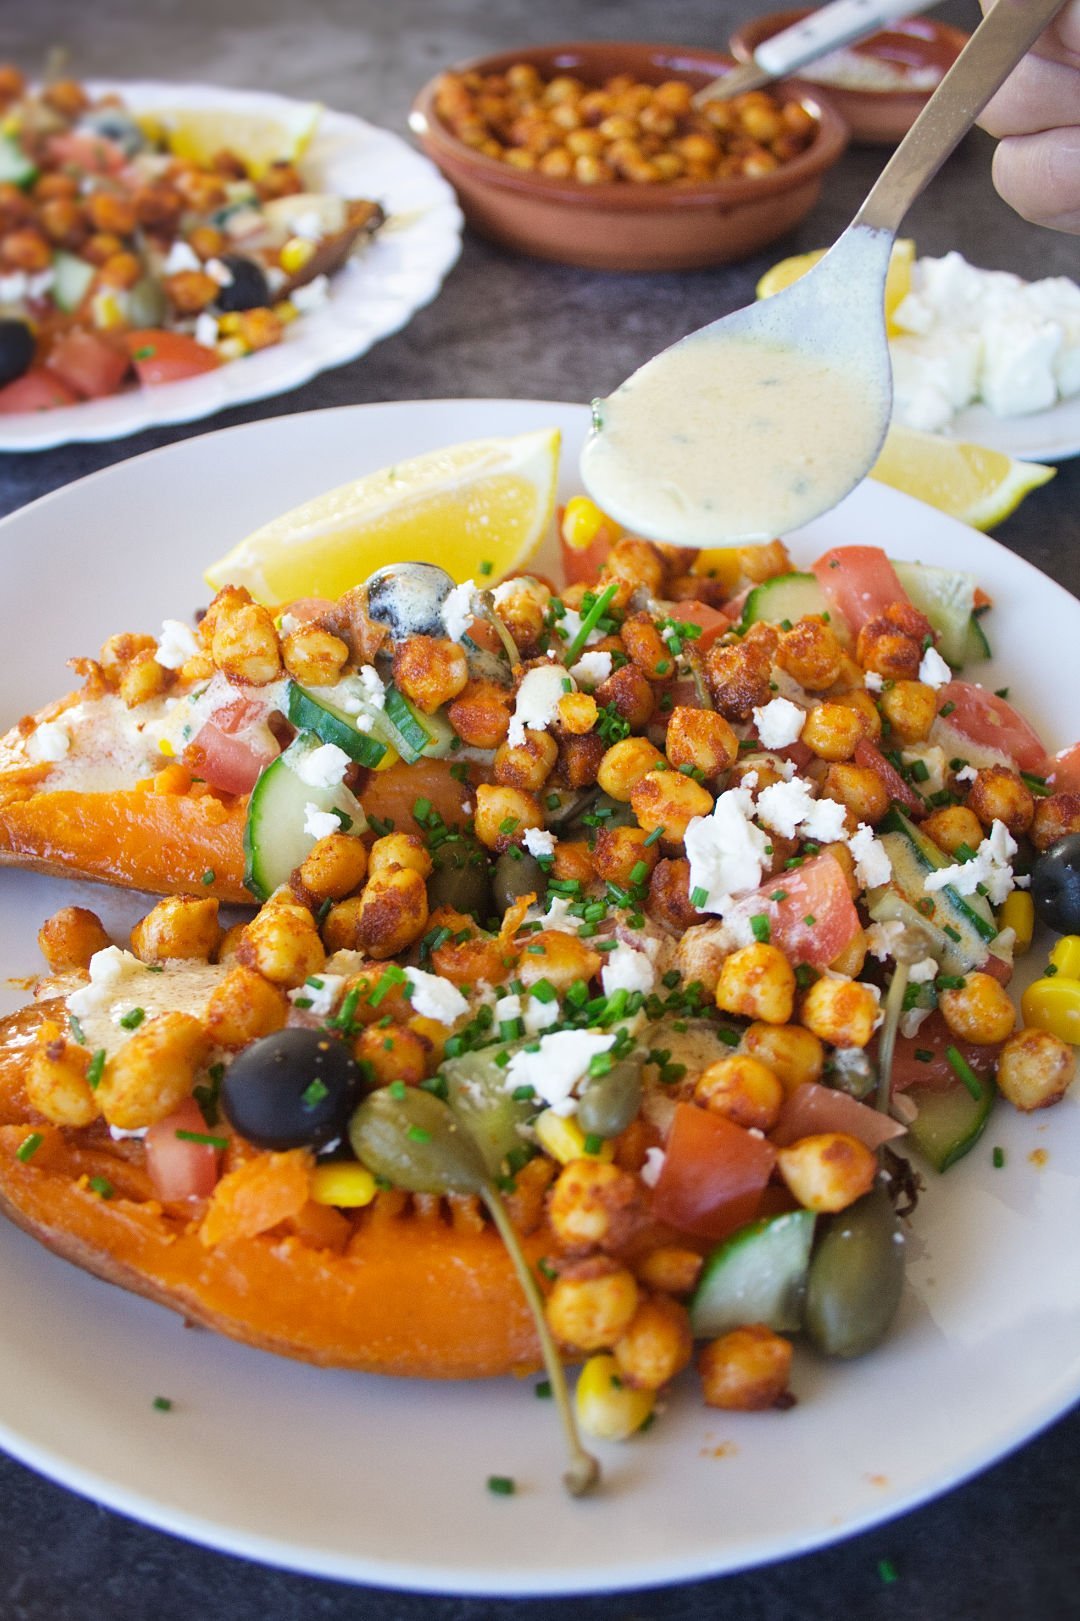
381	1480
373	295
1042	436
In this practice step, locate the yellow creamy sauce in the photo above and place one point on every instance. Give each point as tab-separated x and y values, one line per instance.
729	438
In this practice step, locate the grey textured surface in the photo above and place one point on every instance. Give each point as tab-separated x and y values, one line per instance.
1003	1546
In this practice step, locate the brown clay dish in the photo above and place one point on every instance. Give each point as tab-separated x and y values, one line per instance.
616	225
875	117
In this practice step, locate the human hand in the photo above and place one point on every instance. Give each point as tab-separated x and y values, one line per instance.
1035	117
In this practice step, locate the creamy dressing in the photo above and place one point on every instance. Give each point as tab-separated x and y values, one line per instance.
731	437
100	1004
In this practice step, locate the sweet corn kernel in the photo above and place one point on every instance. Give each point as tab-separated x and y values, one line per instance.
1066	954
1054	1005
564	1139
607	1408
229	325
166	748
347	1186
295	254
582	521
720	563
1018	914
232	349
286	311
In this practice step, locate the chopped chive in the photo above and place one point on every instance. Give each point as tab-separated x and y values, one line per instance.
657	833
998	1158
162	1404
101	1186
887	1571
396	1089
920	771
501	1485
954	934
778	895
946	710
809	920
1001	692
314	1093
96	1070
220	1143
208	876
593	1144
133	1018
29	1147
964	1072
417	1134
589	623
923	1055
542	1389
1050	970
76	1029
698	897
951	982
486	566
759	924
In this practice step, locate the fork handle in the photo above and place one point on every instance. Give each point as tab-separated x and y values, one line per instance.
1005	35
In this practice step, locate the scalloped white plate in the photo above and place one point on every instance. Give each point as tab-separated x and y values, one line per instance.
383	1480
1043	436
375	294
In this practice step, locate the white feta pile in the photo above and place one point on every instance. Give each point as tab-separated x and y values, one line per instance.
324	767
627	970
726	850
48	743
459	609
989	867
779	723
537	702
318	995
435	998
559	1064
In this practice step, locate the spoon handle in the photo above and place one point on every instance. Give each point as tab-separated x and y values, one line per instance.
1005	35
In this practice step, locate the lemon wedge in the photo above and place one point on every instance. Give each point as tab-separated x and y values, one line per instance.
260	140
478	509
897	281
981	487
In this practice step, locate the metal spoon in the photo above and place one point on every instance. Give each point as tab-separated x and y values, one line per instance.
765	419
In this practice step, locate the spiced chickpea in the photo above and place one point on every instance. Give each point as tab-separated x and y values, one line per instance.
1035	1069
386	918
625	764
864	706
334	867
980	1010
841	1011
883	648
526	765
313	656
858	788
180	926
657	1344
56	1083
244	1006
738	679
70	937
244	644
745	1371
559	958
579	759
669	896
430	670
594	1205
144	678
832	731
702	739
121	270
393	1053
573	860
64	222
953	826
503	814
404	850
632	563
810	653
111	211
1055	818
480	714
154	1071
668	801
12	82
282	944
628	691
622	856
26	248
741	1089
910	708
101	247
592	1304
757	982
578	713
66	96
1001	795
669	1268
646	647
827	1171
790	1051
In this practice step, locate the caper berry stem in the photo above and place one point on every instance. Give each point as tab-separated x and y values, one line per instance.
583	1471
486	603
894	1006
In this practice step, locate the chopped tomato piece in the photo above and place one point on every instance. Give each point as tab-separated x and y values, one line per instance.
811	1109
871	757
713	1175
36	390
90	365
989	722
713	621
1064	771
581	564
859	583
179	1168
920	1060
814	917
168	357
231	748
93	154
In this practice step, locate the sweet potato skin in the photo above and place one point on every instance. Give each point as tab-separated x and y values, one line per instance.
410	1296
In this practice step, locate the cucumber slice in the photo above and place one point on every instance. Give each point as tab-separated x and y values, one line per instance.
888	905
785	596
966	920
947	597
949	1122
758	1275
275	840
311	714
16	168
976	647
72	279
415	733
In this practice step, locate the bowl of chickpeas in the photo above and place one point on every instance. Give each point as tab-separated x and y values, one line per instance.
595	154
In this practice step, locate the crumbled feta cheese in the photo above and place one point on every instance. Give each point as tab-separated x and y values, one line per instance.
851	1062
872	864
911	1021
825	821
435	998
539	842
933	671
540	1016
108	969
307	225
569	625
320	994
725	850
323	767
966	773
181	256
555	1069
219	271
990	866
654	1164
921	972
459	609
883	938
319	824
176	644
783	805
508	1007
119	1135
591	669
374	691
779	723
559	916
311	296
1017	375
627	970
537	703
873	682
206	330
48	743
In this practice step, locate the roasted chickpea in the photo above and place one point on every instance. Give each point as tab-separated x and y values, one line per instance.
757	982
573	860
400	850
742	1089
979	1011
111	211
390	915
592	1304
701	739
430	670
526	765
66	96
142	679
953	826
334	867
885	649
154	1071
180	926
313	657
810	653
121	270
669	896
859	789
841	1011
793	1054
25	248
282	943
594	1205
629	693
832	731
669	801
625	764
1001	795
1055	818
70	937
245	644
503	814
64	222
622	856
828	1171
244	1006
579	759
910	707
745	1371
632	563
657	1344
669	1268
393	1053
560	958
1035	1069
480	714
738	678
646	646
56	1084
864	706
578	713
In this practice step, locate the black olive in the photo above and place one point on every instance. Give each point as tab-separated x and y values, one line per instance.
115	126
16	350
1055	886
249	288
294	1089
408	598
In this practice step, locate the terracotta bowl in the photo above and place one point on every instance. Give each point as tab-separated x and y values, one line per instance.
621	225
875	117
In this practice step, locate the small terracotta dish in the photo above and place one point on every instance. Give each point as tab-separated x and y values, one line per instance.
624	225
910	46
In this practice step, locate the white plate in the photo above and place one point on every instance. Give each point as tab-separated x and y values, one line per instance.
384	1481
373	295
1044	436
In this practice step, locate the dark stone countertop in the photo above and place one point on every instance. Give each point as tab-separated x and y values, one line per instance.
1006	1544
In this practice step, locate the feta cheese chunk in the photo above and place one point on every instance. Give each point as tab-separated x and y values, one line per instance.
726	850
108	969
654	1164
627	970
779	723
319	824
933	671
48	743
539	842
435	998
990	866
324	767
318	995
539	1016
459	609
176	644
872	864
560	1063
537	703
591	669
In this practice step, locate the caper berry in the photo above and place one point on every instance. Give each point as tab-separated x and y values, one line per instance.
610	1102
517	873
856	1277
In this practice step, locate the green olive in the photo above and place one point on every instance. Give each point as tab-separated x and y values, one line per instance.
517	873
610	1102
856	1277
416	1142
461	878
